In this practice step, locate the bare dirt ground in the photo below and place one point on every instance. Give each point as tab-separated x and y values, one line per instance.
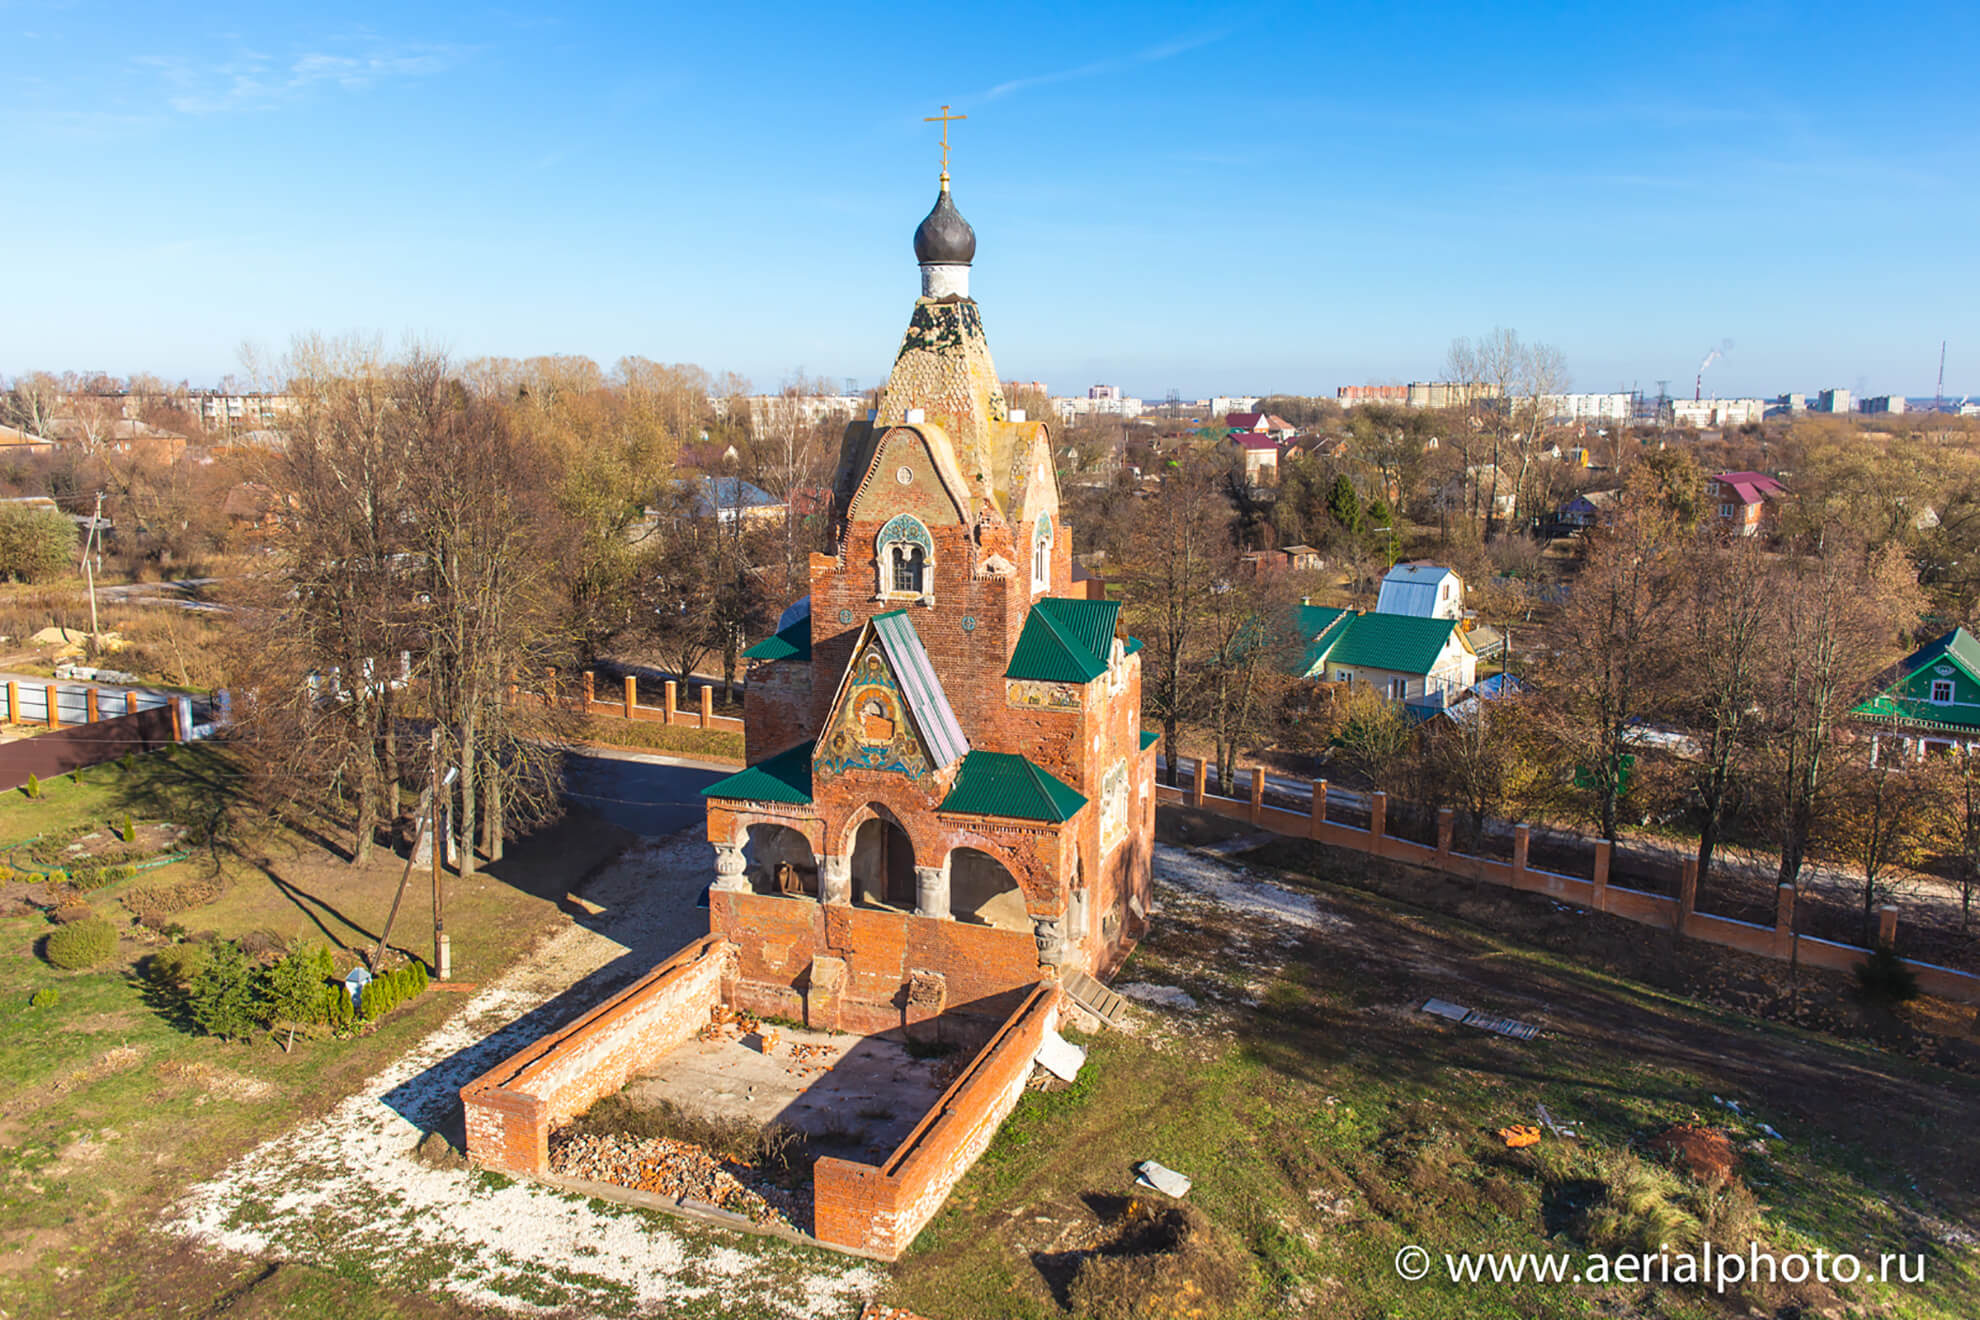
346	1192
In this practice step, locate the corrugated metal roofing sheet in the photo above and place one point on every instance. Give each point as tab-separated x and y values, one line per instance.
933	716
793	643
785	777
1000	784
1065	641
1401	642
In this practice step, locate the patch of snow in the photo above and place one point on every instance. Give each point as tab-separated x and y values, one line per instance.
1167	996
345	1188
1238	890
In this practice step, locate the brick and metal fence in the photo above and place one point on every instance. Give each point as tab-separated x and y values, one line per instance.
1593	891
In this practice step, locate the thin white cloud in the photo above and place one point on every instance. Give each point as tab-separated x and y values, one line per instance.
1149	55
253	80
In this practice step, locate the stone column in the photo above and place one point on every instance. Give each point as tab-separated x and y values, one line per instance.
1050	939
1687	892
1600	878
1378	820
729	867
1522	841
1887	926
1257	793
1198	784
834	879
1319	807
673	695
931	891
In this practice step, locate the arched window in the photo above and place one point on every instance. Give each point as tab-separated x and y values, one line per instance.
1041	553
904	558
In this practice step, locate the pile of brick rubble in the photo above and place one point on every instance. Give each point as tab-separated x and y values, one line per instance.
678	1169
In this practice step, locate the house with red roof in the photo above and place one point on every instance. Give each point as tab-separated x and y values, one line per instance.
1251	421
1741	499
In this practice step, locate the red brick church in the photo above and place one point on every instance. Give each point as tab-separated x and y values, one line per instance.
949	797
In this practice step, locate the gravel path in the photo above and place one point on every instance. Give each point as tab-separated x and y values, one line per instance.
345	1189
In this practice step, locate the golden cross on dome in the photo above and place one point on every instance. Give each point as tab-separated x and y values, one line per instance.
944	119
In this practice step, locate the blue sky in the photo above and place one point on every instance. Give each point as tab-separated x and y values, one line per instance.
1249	198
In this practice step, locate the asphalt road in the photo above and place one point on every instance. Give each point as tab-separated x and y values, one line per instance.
649	795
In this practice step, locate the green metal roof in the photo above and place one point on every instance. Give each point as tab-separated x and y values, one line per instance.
1133	645
1401	642
999	784
915	672
1065	641
1148	739
1891	707
793	643
785	777
1318	624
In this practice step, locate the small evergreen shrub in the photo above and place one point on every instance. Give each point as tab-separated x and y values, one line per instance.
44	997
175	968
86	943
58	876
128	831
125	762
417	975
337	1010
32	788
222	999
1884	978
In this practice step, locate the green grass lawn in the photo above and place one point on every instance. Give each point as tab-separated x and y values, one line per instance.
112	1108
1327	1124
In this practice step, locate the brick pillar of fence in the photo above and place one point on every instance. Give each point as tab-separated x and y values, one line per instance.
1522	841
1599	899
1687	891
1378	820
707	704
90	706
130	703
672	695
1887	926
1199	781
1446	827
54	715
590	690
1783	920
179	730
632	695
1257	793
1319	806
13	702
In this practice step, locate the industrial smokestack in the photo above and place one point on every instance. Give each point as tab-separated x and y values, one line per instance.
1711	355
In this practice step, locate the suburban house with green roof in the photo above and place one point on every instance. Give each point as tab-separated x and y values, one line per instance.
1930	700
1422	661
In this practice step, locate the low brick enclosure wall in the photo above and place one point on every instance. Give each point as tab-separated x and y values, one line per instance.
1592	891
877	1210
512	1108
836	967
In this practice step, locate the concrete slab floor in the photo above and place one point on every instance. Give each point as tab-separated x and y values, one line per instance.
869	1095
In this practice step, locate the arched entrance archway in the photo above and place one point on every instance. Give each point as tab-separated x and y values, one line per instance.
984	892
778	860
883	866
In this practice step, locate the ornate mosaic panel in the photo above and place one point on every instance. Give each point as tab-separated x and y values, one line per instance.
870	730
1025	692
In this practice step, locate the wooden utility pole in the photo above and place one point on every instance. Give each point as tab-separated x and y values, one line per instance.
442	949
405	879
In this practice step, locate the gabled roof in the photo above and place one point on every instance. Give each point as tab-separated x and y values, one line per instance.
1959	648
1413	589
999	784
1250	421
1401	642
1751	487
1257	440
1319	625
710	495
1065	640
926	701
785	777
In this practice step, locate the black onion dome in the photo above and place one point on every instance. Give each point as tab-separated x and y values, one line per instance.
944	238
